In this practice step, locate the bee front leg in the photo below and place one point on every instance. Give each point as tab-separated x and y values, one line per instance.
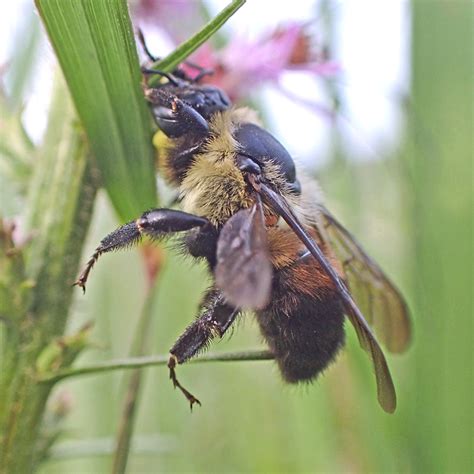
156	224
216	316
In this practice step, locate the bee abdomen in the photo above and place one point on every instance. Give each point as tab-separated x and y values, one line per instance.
304	333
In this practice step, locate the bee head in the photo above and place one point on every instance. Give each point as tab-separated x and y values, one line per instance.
182	107
205	99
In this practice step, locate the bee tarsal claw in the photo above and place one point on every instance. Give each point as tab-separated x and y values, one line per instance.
189	396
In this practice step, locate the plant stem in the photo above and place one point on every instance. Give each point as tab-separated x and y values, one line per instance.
60	206
153	259
150	361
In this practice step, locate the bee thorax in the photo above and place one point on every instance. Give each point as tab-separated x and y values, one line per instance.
214	188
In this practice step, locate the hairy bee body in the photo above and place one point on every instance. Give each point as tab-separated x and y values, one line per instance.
270	244
209	181
303	322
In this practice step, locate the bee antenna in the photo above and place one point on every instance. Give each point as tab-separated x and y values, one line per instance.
168	76
141	39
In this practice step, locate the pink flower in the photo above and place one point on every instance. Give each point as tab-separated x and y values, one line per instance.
178	18
242	65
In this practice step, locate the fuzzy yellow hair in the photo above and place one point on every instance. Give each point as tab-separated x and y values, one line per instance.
213	186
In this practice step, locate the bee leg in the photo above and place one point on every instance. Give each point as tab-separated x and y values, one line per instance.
216	316
157	72
156	223
202	72
201	243
182	159
172	361
215	319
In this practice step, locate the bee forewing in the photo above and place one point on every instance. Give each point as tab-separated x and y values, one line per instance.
378	298
385	388
243	270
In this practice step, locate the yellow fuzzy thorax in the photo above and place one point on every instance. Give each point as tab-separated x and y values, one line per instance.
214	187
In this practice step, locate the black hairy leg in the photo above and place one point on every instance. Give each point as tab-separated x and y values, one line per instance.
183	160
202	243
156	224
157	72
202	72
215	317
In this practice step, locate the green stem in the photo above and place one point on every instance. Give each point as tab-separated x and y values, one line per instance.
134	383
150	361
60	207
185	49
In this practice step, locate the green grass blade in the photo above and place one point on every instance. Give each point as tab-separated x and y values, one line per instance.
131	400
94	43
441	416
189	46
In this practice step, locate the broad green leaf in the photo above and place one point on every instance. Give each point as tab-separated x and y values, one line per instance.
94	43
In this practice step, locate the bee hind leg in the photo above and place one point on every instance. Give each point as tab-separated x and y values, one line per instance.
215	318
172	361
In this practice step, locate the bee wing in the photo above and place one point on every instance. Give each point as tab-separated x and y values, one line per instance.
385	388
377	297
243	271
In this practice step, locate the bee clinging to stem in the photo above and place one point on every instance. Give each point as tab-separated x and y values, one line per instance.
270	244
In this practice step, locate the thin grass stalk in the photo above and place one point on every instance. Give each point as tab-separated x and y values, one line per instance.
140	346
151	361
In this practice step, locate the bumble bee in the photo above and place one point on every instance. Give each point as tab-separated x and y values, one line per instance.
270	244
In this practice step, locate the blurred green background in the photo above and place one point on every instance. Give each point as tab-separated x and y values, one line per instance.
412	210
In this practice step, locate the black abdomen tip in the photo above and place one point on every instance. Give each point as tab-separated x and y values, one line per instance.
304	338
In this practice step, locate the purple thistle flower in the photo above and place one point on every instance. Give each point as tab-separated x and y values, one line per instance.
242	64
178	18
